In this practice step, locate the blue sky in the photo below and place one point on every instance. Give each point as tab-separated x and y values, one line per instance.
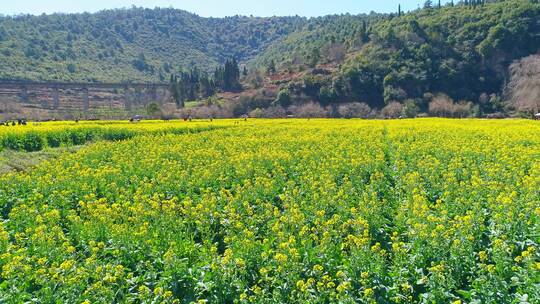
215	8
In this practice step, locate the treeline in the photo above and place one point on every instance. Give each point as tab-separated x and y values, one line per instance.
194	84
462	50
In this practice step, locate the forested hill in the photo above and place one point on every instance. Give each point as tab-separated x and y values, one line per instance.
129	44
463	50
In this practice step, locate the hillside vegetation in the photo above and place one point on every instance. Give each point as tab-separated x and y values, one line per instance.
320	40
129	44
463	51
449	60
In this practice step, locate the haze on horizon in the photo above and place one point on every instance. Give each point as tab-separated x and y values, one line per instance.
214	8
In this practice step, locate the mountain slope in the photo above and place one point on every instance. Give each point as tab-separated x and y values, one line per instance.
463	51
129	44
313	43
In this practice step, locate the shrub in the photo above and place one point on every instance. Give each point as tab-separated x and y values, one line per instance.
203	112
168	111
274	112
257	113
354	110
77	137
118	134
249	102
441	105
13	142
56	139
524	85
153	110
32	141
462	109
283	98
392	110
27	141
310	110
410	110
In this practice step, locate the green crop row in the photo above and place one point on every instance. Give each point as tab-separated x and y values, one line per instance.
36	140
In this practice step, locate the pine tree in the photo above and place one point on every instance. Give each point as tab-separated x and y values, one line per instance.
271	67
174	89
314	57
219	77
228	77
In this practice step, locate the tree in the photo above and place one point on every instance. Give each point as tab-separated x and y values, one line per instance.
207	85
428	4
231	75
140	63
173	88
71	67
3	33
228	77
283	98
336	52
190	86
314	57
441	106
497	37
152	109
410	109
311	110
271	68
524	85
257	113
392	110
354	110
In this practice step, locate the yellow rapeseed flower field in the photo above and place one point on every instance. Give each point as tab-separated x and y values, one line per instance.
275	211
36	136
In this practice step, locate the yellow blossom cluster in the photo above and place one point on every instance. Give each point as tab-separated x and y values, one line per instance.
276	211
